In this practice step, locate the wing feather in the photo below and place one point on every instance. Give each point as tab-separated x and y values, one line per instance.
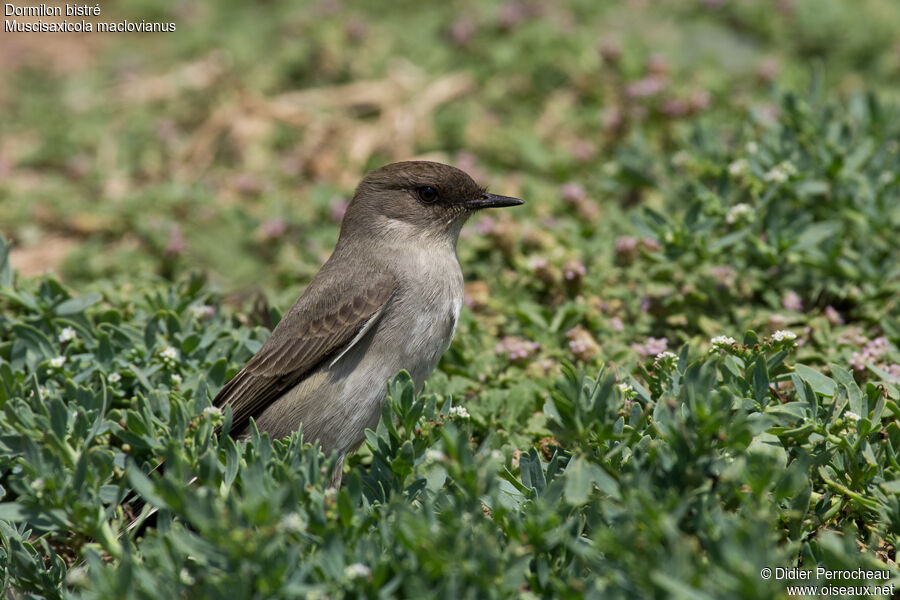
319	325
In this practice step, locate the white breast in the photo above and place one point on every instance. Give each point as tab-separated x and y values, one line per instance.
429	313
412	332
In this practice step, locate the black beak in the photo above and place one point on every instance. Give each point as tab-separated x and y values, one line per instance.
492	201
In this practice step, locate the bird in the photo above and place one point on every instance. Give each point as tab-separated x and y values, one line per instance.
387	299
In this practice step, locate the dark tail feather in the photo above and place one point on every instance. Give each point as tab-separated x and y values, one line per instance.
134	505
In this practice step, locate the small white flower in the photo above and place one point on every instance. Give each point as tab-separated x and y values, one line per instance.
38	484
852	415
738	167
496	455
176	379
459	411
168	353
114	378
780	172
611	168
212	410
784	334
434	455
78	577
739	212
292	522
722	340
186	577
202	311
357	570
775	175
752	147
680	158
57	362
663	356
67	335
625	388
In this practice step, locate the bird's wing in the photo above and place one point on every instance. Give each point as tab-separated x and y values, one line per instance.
319	326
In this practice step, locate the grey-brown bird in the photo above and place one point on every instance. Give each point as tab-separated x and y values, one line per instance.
387	299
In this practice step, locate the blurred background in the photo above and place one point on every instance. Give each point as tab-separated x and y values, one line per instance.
232	146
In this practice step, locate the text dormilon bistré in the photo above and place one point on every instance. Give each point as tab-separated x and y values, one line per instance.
65	26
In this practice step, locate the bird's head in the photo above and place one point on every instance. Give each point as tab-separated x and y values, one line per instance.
417	199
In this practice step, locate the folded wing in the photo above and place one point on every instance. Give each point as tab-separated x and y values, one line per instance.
324	322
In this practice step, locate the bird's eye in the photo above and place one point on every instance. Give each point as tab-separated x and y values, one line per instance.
427	194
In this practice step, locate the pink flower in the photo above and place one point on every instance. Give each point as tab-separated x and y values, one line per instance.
572	192
650	245
894	371
647	87
674	108
338	208
466	161
610	51
657	64
612	119
871	352
767	69
544	271
723	274
651	347
833	316
582	344
175	243
247	183
462	30
583	150
626	249
485	225
791	301
646	303
574	270
512	14
517	349
699	100
273	229
356	29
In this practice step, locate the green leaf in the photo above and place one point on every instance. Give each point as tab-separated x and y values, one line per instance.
35	339
76	304
12	511
579	481
190	344
854	394
531	471
760	380
216	373
820	383
891	487
814	234
144	487
767	444
580	477
6	273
